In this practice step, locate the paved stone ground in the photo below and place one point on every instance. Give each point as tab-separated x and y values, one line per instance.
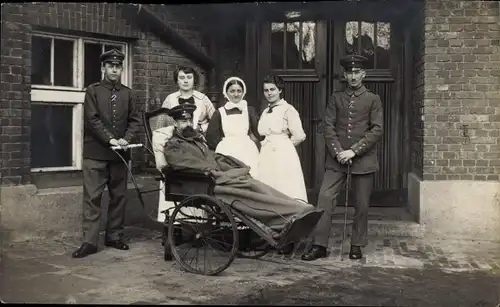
44	272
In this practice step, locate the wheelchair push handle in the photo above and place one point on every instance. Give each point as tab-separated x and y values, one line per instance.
126	147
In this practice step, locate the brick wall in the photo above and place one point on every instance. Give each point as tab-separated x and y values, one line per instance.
416	130
153	63
462	87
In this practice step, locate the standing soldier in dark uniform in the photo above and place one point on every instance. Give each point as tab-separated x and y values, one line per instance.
352	127
110	119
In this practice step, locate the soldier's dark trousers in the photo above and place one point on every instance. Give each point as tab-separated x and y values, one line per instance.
97	175
333	183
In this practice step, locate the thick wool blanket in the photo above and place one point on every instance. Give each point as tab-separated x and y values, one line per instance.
251	197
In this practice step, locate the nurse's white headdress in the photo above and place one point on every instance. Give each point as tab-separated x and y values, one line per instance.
224	91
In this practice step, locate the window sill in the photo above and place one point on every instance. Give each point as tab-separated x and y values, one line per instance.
56	88
57	179
54	169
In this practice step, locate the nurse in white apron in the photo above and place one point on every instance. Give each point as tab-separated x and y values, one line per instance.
232	130
186	79
281	127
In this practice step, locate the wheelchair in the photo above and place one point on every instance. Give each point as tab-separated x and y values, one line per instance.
201	233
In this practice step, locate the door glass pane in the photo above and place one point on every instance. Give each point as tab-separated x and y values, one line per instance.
383	44
351	37
277	47
40	60
308	44
51	135
63	62
367	42
293	45
92	65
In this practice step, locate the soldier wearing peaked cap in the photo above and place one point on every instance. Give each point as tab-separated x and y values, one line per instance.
352	128
110	119
182	111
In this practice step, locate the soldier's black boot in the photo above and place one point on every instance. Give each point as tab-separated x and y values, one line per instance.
314	253
85	250
355	252
118	244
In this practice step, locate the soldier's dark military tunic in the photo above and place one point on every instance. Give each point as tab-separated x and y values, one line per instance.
109	112
353	120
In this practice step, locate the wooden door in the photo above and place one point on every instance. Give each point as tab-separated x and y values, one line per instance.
309	84
296	51
381	43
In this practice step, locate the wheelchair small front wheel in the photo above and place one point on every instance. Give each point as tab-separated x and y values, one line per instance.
209	235
251	246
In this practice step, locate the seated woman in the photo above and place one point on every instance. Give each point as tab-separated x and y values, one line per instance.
187	150
186	79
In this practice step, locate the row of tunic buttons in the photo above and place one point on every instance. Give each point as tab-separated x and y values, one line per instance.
114	110
351	105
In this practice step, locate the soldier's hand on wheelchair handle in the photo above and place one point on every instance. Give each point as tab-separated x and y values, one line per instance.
118	147
122	142
113	142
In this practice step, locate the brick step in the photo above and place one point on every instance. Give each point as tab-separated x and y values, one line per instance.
382	222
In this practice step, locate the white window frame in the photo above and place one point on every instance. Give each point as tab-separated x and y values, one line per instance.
73	95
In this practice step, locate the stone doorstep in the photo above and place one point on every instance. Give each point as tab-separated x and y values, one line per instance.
382	222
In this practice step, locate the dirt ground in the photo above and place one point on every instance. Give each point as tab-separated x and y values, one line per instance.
394	272
364	286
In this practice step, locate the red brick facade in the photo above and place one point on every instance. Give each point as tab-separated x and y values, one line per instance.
461	101
153	62
456	98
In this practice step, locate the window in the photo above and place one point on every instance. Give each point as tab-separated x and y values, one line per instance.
293	45
371	40
62	67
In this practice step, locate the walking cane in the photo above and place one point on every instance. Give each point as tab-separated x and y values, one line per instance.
345	213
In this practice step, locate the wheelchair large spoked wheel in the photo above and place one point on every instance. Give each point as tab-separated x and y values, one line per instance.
209	235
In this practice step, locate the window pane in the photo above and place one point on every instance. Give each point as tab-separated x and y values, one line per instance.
367	42
63	62
117	47
40	57
383	44
51	135
351	37
92	66
277	54
308	44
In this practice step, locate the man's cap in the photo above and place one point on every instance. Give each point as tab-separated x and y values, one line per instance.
353	61
112	56
182	111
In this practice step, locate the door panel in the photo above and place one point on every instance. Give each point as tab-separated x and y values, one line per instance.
297	53
381	79
308	89
302	95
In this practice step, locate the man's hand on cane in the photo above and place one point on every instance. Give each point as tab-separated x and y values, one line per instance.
346	156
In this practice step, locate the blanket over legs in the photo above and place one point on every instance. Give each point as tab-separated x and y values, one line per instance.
234	185
251	197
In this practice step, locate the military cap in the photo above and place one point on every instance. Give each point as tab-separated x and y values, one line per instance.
182	111
353	61
112	56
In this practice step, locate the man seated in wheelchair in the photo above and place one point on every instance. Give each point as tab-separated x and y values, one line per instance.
185	149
